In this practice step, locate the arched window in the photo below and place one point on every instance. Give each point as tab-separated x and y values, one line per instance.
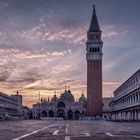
51	113
70	115
61	113
44	114
95	50
98	50
77	114
61	105
91	49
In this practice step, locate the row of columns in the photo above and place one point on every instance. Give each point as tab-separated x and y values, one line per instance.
132	115
129	100
128	85
52	113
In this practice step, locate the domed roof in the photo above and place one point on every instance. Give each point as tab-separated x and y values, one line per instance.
82	98
67	95
54	99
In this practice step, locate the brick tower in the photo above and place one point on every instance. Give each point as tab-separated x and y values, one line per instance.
94	67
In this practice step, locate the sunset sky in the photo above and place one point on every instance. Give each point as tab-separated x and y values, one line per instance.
42	45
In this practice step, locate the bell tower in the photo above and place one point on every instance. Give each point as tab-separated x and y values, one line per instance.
94	67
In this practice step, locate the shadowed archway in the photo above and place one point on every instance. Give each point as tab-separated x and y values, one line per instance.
44	114
61	105
61	113
77	114
70	115
51	113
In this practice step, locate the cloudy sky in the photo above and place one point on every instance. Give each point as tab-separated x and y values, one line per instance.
42	45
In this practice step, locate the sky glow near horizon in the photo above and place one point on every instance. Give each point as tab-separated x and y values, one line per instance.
42	45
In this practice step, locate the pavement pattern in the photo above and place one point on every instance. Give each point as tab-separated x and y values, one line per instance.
68	130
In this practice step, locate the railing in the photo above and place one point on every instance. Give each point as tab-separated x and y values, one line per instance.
124	106
125	92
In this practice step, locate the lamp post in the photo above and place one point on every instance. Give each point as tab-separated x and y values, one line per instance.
39	105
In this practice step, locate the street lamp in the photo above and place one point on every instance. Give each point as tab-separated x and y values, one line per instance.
39	105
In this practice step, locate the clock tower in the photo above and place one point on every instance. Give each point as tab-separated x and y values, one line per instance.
94	67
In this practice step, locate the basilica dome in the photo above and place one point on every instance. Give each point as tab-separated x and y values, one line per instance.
82	98
54	99
67	96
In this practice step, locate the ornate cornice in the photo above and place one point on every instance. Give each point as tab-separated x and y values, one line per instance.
94	57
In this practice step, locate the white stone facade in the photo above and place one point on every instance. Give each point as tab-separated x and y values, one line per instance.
9	107
126	103
107	108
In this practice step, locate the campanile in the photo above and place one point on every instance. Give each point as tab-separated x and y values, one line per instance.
94	67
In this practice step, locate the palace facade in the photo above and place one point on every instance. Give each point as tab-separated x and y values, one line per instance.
126	102
11	107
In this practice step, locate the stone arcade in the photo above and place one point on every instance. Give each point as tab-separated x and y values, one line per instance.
126	101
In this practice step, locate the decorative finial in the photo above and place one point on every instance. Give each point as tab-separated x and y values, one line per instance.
65	88
17	92
41	100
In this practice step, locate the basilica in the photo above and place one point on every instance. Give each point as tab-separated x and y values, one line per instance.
63	107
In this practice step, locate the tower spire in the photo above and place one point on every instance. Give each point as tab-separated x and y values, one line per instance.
94	25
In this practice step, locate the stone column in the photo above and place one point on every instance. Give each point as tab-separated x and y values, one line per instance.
131	115
136	115
139	114
138	96
128	116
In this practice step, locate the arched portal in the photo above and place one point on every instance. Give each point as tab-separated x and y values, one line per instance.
44	114
61	113
70	115
83	113
77	114
61	105
51	113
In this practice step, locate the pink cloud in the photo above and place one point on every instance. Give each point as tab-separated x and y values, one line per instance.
110	31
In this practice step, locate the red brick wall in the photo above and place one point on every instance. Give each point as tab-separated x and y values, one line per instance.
94	87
